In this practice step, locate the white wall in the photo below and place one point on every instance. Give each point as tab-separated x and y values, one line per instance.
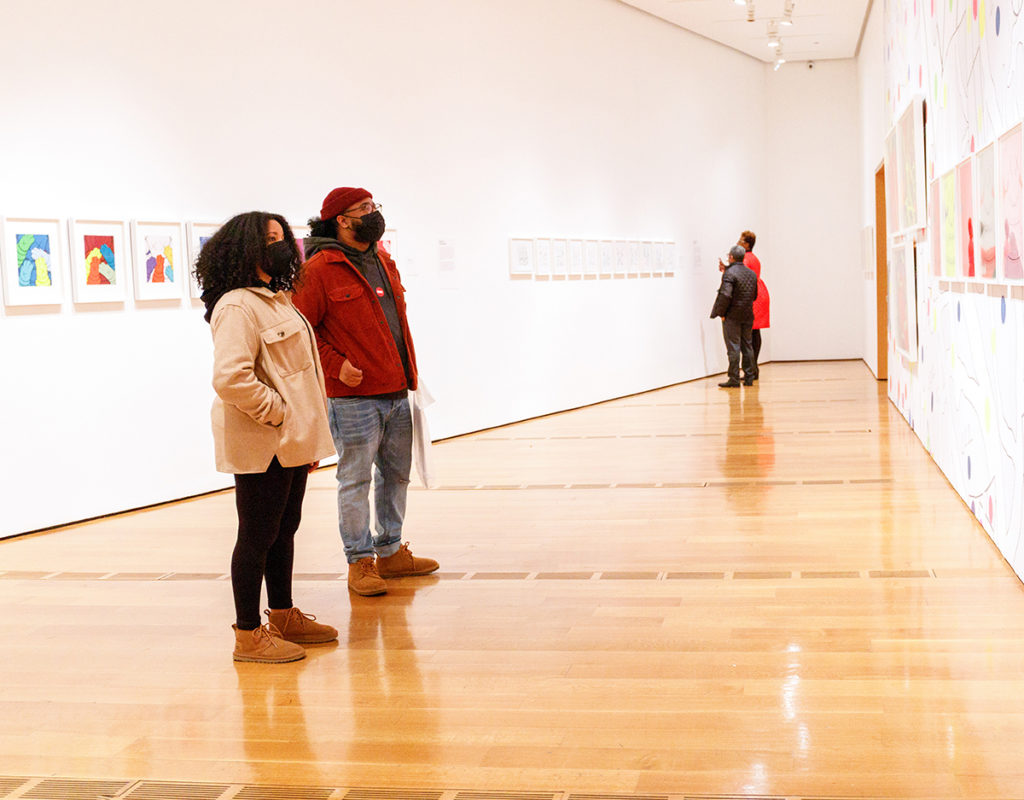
873	128
471	122
812	256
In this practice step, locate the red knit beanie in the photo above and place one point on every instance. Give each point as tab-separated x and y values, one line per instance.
341	198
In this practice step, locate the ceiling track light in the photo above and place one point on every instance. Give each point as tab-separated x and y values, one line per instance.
773	34
779	58
750	10
787	15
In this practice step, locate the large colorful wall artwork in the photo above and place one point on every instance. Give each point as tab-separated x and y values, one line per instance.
964	395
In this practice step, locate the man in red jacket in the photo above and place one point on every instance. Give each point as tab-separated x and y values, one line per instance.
352	294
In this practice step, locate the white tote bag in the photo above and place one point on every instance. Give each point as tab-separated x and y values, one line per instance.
419	401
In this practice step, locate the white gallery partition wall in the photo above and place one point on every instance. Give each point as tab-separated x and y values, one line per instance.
474	124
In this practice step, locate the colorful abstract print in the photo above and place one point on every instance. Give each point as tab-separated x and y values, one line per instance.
33	259
100	265
159	259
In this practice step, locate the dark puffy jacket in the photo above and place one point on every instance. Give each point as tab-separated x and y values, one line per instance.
736	295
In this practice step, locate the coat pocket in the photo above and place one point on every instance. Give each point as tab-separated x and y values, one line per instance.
288	346
344	294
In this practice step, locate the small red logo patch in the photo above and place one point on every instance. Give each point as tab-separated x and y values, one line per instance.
380	292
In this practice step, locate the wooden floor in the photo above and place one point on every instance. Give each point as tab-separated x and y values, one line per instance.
770	591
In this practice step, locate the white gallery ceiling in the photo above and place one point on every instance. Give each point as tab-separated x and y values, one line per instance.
821	29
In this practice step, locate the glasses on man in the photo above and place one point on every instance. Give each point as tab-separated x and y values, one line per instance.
363	209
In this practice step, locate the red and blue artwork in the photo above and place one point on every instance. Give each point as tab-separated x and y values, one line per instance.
100	263
34	259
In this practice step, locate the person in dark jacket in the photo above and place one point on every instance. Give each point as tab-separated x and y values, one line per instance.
352	295
735	305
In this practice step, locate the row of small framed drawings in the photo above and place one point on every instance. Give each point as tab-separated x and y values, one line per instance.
157	260
546	258
976	214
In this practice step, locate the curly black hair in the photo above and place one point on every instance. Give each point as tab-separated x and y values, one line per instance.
323	228
230	258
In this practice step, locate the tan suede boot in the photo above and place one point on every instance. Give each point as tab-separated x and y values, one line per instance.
266	646
364	579
403	563
300	628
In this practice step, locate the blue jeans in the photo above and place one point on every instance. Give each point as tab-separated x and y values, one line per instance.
371	433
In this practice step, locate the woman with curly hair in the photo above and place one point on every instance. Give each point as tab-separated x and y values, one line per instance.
269	422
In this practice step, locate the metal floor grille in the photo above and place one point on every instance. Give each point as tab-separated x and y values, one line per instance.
23	788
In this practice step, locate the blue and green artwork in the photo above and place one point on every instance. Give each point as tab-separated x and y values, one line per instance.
34	259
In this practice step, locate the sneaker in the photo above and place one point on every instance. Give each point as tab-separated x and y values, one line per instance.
300	628
265	646
364	579
403	563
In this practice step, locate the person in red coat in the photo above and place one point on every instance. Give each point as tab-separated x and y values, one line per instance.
761	304
352	295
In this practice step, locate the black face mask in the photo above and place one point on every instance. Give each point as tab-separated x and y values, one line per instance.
370	228
279	259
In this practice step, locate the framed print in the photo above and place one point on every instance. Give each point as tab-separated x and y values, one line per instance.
592	266
32	257
965	217
607	258
935	228
576	258
1009	206
670	259
99	260
559	258
199	233
910	179
520	258
947	221
635	256
300	232
892	212
621	267
984	212
542	258
903	299
657	259
867	251
160	260
646	259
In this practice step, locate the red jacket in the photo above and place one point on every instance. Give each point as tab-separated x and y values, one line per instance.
349	323
762	302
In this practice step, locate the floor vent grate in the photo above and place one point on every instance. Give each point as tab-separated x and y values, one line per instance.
8	785
505	796
392	794
618	797
60	789
170	790
284	793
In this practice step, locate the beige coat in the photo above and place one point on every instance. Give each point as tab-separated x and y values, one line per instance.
269	383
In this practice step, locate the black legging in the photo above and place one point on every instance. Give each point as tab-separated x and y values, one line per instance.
755	338
269	509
